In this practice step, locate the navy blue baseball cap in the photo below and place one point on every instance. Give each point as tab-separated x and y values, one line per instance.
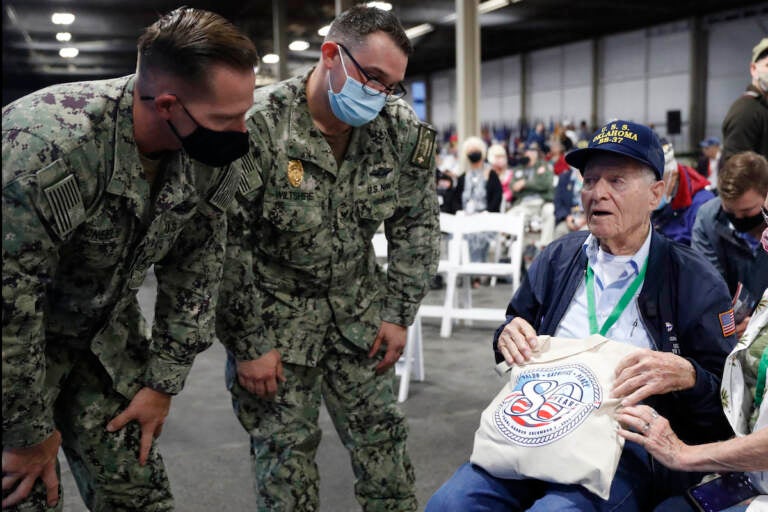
709	142
634	140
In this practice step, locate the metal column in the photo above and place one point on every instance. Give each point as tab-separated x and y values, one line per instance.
467	69
698	80
279	37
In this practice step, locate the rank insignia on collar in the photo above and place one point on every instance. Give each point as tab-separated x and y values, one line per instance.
295	173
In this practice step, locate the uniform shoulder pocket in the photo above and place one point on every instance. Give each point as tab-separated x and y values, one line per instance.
62	206
424	149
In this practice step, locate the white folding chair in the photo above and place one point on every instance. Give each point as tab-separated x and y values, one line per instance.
500	223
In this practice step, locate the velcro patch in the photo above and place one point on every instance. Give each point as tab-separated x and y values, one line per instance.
67	205
425	146
225	192
249	179
727	323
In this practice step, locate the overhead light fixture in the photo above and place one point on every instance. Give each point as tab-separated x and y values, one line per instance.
69	52
62	18
384	6
483	8
63	36
491	5
298	46
323	31
271	58
419	30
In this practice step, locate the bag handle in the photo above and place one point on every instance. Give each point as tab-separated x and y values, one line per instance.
546	352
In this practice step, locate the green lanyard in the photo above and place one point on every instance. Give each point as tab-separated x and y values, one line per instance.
762	368
620	307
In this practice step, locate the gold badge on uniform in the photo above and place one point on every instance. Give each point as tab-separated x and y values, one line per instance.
295	173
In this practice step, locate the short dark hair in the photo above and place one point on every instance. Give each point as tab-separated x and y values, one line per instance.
355	24
741	173
186	42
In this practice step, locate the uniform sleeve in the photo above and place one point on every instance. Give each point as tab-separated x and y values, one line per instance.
29	262
413	233
188	281
237	317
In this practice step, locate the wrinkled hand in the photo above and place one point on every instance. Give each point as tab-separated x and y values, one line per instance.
262	376
642	425
394	337
149	408
23	466
648	372
517	341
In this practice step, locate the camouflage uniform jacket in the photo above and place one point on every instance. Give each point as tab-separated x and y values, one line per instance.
81	227
300	257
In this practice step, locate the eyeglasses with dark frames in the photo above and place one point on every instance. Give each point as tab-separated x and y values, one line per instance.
373	87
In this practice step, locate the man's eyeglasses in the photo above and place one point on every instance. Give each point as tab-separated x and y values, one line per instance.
372	86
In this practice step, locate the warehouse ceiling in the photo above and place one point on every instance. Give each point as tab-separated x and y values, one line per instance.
105	31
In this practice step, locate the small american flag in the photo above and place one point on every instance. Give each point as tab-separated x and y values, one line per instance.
727	323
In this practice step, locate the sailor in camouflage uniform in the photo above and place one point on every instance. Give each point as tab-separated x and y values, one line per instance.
306	313
95	191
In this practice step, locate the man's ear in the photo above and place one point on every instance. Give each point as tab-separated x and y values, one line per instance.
657	190
329	52
164	103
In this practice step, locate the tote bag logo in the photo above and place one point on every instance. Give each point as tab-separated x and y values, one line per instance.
547	404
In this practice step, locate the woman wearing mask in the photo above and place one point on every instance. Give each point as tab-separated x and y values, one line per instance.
497	158
479	190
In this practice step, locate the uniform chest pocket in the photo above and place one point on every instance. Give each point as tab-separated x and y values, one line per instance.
376	194
293	216
102	244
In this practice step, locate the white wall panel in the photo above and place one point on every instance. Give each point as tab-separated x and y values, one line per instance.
669	49
576	104
623	100
511	76
577	64
545	69
623	57
545	106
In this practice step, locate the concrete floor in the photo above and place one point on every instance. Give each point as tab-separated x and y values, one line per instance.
206	450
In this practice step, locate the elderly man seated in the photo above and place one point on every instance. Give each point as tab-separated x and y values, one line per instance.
623	280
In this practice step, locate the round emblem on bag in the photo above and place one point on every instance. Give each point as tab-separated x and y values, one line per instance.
547	403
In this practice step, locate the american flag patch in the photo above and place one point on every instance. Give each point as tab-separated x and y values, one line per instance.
727	323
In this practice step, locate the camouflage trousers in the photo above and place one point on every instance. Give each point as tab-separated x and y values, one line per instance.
105	465
285	433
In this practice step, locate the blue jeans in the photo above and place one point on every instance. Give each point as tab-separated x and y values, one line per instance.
639	483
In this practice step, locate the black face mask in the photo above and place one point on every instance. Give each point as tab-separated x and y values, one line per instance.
211	147
474	156
745	224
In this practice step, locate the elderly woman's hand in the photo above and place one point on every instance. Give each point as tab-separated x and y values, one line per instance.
643	425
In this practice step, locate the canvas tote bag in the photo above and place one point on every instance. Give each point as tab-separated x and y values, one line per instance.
554	420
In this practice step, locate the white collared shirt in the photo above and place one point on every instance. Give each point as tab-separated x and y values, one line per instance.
613	275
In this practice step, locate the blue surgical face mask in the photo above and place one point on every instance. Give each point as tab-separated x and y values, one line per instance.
664	202
352	105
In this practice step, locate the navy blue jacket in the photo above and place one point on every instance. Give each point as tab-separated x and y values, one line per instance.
714	239
679	304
